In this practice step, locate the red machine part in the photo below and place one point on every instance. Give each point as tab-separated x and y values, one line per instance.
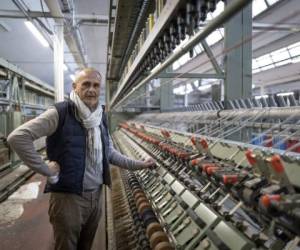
250	157
193	140
211	170
165	133
276	164
266	199
195	162
204	143
205	166
230	179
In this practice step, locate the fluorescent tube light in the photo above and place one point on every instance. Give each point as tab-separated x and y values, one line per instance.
36	33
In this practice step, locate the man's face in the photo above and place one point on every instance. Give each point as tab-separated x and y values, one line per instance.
87	87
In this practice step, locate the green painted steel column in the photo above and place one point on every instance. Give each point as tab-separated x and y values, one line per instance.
238	58
166	95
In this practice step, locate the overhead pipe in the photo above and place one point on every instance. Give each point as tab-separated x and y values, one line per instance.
229	11
71	40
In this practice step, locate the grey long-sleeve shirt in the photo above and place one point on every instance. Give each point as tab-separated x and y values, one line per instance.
21	140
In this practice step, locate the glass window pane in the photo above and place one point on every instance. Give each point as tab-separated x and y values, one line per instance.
213	37
296	59
272	1
270	66
182	60
283	62
219	9
255	71
280	55
264	60
254	64
176	65
198	49
221	30
258	6
294	49
294	45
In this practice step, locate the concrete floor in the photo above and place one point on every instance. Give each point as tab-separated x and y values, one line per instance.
24	222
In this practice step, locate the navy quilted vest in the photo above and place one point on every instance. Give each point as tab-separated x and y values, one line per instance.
67	146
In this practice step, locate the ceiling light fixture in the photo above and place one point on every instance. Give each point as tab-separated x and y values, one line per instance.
36	33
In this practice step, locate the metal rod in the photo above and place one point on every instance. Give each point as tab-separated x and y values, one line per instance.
211	57
191	75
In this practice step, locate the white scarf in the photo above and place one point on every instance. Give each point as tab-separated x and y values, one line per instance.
91	121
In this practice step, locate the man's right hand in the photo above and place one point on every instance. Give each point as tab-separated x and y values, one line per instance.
54	168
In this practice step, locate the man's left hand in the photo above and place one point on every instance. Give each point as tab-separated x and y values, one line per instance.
150	163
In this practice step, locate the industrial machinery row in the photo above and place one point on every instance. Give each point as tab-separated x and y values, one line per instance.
226	179
22	97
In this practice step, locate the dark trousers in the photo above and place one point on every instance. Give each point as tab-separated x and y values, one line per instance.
74	219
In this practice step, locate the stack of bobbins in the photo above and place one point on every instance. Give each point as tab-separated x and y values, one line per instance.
127	224
154	231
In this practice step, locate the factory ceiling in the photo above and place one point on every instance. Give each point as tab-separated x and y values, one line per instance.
89	19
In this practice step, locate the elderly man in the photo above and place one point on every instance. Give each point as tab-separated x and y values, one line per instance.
79	149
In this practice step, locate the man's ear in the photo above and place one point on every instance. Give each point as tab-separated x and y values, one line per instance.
74	85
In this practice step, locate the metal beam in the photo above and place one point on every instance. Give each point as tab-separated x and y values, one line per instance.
211	57
276	27
39	14
229	11
191	75
166	96
18	14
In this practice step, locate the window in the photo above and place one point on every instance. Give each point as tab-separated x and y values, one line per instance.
296	59
183	89
214	37
264	60
280	55
270	66
283	62
283	56
294	49
181	61
198	49
258	6
254	71
254	64
219	9
176	65
270	2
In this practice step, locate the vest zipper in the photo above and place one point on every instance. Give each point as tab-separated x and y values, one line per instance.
85	133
